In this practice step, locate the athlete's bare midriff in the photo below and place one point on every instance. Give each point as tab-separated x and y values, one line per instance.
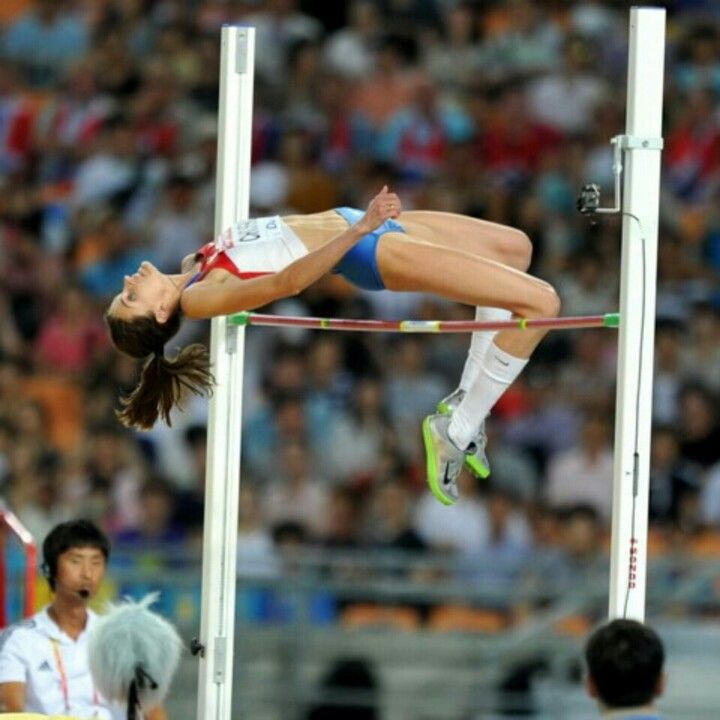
318	229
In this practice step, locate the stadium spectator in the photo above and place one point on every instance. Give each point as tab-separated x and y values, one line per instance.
463	528
114	471
389	88
354	688
278	26
544	423
391	523
514	470
700	354
625	670
410	389
71	340
342	521
39	497
176	226
297	493
44	661
350	51
672	477
257	555
566	100
669	341
571	552
45	40
359	434
452	57
525	41
500	563
512	144
710	496
190	501
415	141
699	428
155	535
584	474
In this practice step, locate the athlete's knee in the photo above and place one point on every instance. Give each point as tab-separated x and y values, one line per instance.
515	249
521	250
543	301
550	301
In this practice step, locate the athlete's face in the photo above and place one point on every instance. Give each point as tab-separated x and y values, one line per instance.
143	293
80	570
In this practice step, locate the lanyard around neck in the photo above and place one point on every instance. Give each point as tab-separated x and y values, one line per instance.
64	684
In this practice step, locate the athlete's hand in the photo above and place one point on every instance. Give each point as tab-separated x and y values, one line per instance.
382	207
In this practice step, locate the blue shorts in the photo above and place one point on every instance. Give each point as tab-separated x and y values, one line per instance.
359	265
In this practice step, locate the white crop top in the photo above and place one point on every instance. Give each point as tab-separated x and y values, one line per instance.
251	248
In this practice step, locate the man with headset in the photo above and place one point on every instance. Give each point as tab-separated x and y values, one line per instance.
44	660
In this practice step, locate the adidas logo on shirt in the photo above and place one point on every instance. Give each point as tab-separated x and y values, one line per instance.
45	667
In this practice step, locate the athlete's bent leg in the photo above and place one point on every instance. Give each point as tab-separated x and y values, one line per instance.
490	240
407	264
502	243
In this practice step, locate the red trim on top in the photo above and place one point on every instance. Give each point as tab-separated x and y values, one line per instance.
212	259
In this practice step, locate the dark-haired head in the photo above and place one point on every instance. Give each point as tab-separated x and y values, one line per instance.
625	664
163	381
70	535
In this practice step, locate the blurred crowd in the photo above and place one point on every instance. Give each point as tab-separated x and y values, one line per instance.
499	109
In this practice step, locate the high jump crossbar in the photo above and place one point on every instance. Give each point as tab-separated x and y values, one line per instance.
609	320
635	367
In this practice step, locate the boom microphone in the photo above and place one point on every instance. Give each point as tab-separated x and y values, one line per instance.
133	654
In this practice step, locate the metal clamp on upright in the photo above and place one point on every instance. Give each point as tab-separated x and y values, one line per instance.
588	203
633	142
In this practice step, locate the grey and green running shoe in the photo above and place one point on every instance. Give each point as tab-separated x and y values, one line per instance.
477	462
444	460
449	403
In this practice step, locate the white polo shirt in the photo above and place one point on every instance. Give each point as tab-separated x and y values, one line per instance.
54	668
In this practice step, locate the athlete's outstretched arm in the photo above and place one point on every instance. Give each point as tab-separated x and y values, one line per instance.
206	300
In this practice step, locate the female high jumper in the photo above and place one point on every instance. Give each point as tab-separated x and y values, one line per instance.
256	262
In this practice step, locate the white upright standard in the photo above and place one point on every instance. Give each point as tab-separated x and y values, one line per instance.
217	625
642	150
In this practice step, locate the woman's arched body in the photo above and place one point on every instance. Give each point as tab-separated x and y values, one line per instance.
456	257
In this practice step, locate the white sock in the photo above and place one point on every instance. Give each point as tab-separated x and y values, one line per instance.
479	343
497	371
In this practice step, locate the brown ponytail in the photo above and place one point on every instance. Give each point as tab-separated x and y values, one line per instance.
163	381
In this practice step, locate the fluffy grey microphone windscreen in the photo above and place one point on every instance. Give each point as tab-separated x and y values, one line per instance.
127	635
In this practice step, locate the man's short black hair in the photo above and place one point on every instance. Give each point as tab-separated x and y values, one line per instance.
625	662
71	534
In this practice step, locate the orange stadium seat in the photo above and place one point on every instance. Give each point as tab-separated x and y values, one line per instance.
706	544
573	625
461	618
657	544
366	616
